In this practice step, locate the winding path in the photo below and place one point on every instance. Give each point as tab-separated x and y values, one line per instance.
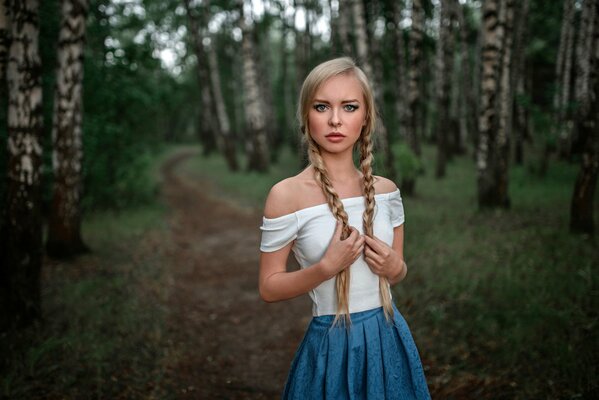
227	343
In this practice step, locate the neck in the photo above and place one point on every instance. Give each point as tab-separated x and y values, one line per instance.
340	167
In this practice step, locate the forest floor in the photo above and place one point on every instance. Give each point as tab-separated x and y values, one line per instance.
228	343
166	305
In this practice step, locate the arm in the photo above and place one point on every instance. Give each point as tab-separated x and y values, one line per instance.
277	284
385	260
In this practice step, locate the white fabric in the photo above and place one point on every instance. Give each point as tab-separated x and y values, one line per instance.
312	229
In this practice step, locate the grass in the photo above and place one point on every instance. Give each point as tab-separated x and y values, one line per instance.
505	293
103	328
247	189
503	296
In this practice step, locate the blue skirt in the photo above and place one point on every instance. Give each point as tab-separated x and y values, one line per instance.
372	359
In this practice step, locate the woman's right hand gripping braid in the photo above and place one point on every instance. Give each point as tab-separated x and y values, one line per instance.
277	284
342	253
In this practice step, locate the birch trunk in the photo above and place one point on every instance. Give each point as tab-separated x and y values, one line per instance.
344	28
562	78
584	48
364	57
464	90
414	108
262	60
4	38
258	158
21	238
285	95
228	144
400	60
582	205
504	129
444	72
300	74
208	126
520	121
64	222
489	194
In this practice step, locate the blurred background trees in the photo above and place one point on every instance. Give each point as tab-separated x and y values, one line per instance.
499	80
92	90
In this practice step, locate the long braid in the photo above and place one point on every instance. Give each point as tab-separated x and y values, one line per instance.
336	206
366	159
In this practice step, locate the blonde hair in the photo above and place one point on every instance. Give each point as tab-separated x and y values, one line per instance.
320	74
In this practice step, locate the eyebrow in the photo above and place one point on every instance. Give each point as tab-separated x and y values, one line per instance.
343	102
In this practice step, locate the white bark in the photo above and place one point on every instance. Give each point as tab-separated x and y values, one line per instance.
254	109
68	109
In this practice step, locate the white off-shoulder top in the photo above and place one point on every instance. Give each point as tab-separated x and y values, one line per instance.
312	229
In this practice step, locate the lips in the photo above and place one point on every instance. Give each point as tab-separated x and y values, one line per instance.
335	137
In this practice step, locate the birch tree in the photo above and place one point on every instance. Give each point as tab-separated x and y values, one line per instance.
414	95
582	205
344	29
465	93
504	128
258	158
21	239
444	58
208	125
4	38
563	71
491	192
364	57
64	222
400	60
520	118
224	123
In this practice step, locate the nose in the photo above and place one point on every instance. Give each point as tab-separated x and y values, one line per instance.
334	120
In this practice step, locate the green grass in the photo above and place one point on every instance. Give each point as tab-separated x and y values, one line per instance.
509	296
102	333
505	293
248	189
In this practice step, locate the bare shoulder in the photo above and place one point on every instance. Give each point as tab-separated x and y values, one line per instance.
281	199
384	185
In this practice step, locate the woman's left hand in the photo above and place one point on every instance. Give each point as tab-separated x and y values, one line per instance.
382	259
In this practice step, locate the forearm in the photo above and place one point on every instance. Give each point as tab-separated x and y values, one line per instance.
399	273
287	285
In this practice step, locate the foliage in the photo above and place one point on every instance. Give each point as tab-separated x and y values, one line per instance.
408	163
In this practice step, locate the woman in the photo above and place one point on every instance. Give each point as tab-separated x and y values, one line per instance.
345	227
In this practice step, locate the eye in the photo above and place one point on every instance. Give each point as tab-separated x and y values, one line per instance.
320	107
350	107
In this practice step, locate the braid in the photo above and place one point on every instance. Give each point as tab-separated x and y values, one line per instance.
366	159
336	206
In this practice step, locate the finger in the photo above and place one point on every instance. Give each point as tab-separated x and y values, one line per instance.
368	252
338	230
354	234
373	265
359	242
359	250
376	246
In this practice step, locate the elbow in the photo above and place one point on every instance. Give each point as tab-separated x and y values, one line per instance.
267	295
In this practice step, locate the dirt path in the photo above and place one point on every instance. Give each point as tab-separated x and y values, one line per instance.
227	343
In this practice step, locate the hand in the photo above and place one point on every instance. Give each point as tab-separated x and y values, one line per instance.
382	259
342	253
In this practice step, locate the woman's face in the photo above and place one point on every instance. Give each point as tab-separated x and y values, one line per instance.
337	114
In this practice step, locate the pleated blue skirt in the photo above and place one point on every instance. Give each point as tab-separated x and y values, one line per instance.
372	359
